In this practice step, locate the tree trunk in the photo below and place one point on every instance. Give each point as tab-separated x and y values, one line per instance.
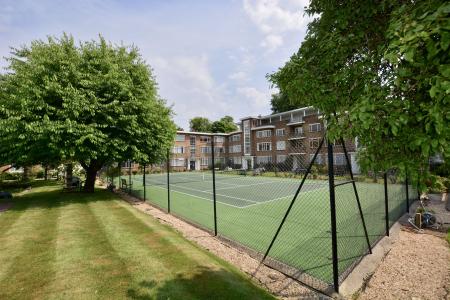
46	173
91	175
69	173
26	173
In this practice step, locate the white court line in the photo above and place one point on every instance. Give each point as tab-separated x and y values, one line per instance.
276	199
243	199
242	185
210	200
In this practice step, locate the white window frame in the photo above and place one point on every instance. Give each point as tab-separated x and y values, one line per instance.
280	130
314	140
180	138
205	149
236	138
264	133
318	127
281	145
283	158
264	146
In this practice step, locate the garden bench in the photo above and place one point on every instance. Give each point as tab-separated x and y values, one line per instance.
124	186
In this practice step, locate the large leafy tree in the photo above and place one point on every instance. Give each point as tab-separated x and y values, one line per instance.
200	124
92	102
224	125
280	102
379	71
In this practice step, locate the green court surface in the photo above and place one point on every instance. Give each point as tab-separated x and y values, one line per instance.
250	209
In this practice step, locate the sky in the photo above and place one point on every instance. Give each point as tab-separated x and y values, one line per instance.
210	57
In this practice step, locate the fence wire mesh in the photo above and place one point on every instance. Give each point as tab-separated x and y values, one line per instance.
276	202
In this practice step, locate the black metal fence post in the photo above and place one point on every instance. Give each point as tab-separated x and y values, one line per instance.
143	182
333	217
120	175
407	191
386	203
129	176
214	184
168	180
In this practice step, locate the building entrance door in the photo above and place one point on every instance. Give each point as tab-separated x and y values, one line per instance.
192	165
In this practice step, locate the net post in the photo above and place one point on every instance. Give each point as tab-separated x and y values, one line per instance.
386	203
168	179
214	185
143	182
333	217
407	191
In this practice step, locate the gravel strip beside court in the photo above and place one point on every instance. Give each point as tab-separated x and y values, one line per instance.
274	281
417	267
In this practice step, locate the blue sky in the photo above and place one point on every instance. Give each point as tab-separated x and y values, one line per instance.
210	58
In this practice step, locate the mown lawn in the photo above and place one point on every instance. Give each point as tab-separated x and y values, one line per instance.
85	246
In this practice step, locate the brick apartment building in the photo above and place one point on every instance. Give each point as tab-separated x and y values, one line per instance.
287	140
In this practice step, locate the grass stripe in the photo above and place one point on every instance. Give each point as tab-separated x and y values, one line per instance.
31	268
83	248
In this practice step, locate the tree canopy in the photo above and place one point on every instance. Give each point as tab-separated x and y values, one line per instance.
280	102
224	125
379	71
91	102
200	124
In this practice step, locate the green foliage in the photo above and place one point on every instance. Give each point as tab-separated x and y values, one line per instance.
93	102
224	125
281	103
383	68
200	124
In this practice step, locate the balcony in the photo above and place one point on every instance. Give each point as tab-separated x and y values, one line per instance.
296	136
296	121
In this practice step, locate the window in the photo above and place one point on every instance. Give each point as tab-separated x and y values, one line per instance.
316	127
337	143
192	150
234	149
177	162
205	139
264	146
178	150
179	138
219	139
236	138
205	161
205	149
263	159
279	132
263	133
314	143
281	158
128	164
281	145
319	159
218	149
339	159
192	140
247	146
236	160
298	130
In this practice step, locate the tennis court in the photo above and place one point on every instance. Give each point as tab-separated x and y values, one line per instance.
250	209
234	190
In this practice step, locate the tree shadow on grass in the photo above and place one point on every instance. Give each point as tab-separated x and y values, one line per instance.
204	283
56	198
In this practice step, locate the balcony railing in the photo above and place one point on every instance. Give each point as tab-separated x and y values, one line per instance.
296	120
296	135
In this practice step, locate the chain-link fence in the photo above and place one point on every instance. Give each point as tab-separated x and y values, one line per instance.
305	209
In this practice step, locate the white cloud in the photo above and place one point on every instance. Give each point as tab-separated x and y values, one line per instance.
239	76
258	100
275	18
272	42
